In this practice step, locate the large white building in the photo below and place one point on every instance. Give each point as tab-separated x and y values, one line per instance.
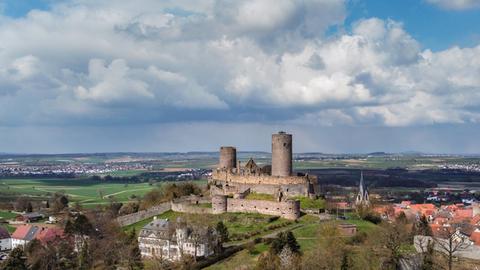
5	240
166	240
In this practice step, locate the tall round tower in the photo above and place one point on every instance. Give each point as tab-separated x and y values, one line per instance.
228	157
281	154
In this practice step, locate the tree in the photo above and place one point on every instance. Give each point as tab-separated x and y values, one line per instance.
85	260
428	257
450	242
60	202
331	245
29	208
421	227
268	261
392	237
16	260
222	232
285	239
134	256
21	204
288	259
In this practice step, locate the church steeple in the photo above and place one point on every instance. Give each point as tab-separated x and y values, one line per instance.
362	196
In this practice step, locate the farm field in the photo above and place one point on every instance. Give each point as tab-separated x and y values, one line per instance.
87	192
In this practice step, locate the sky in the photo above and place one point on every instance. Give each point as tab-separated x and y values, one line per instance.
343	76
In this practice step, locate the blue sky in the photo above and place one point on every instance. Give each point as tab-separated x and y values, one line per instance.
187	75
434	27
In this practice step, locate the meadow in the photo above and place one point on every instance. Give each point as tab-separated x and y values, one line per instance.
85	191
306	233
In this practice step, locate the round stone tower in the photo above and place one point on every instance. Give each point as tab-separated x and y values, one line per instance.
292	209
219	204
228	157
281	154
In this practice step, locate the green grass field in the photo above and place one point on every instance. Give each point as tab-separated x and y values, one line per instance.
7	215
87	192
237	223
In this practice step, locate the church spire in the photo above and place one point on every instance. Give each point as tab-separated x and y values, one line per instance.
362	196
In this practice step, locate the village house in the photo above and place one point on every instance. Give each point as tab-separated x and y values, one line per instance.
30	217
26	233
170	241
5	240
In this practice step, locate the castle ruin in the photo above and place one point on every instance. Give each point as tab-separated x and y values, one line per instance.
231	182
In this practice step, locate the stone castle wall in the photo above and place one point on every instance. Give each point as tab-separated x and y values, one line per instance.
229	177
289	209
189	204
287	190
187	207
144	214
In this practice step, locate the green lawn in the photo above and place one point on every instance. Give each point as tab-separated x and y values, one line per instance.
308	203
7	215
260	196
243	258
237	223
9	228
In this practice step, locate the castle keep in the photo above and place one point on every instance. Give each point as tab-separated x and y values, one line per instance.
231	182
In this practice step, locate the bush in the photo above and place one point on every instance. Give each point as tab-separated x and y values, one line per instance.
375	219
272	219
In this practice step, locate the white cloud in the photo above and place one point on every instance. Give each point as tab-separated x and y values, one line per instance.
167	61
456	4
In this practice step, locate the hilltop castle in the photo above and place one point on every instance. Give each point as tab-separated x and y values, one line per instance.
233	180
276	179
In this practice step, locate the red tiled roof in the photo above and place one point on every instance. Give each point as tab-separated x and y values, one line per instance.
49	234
423	206
21	232
435	228
475	237
475	220
464	213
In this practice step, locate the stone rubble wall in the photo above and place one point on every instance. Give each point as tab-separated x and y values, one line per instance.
187	207
144	214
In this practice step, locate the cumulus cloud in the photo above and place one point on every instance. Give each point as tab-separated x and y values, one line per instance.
87	61
456	4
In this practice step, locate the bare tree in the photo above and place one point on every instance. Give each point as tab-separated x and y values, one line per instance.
450	242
